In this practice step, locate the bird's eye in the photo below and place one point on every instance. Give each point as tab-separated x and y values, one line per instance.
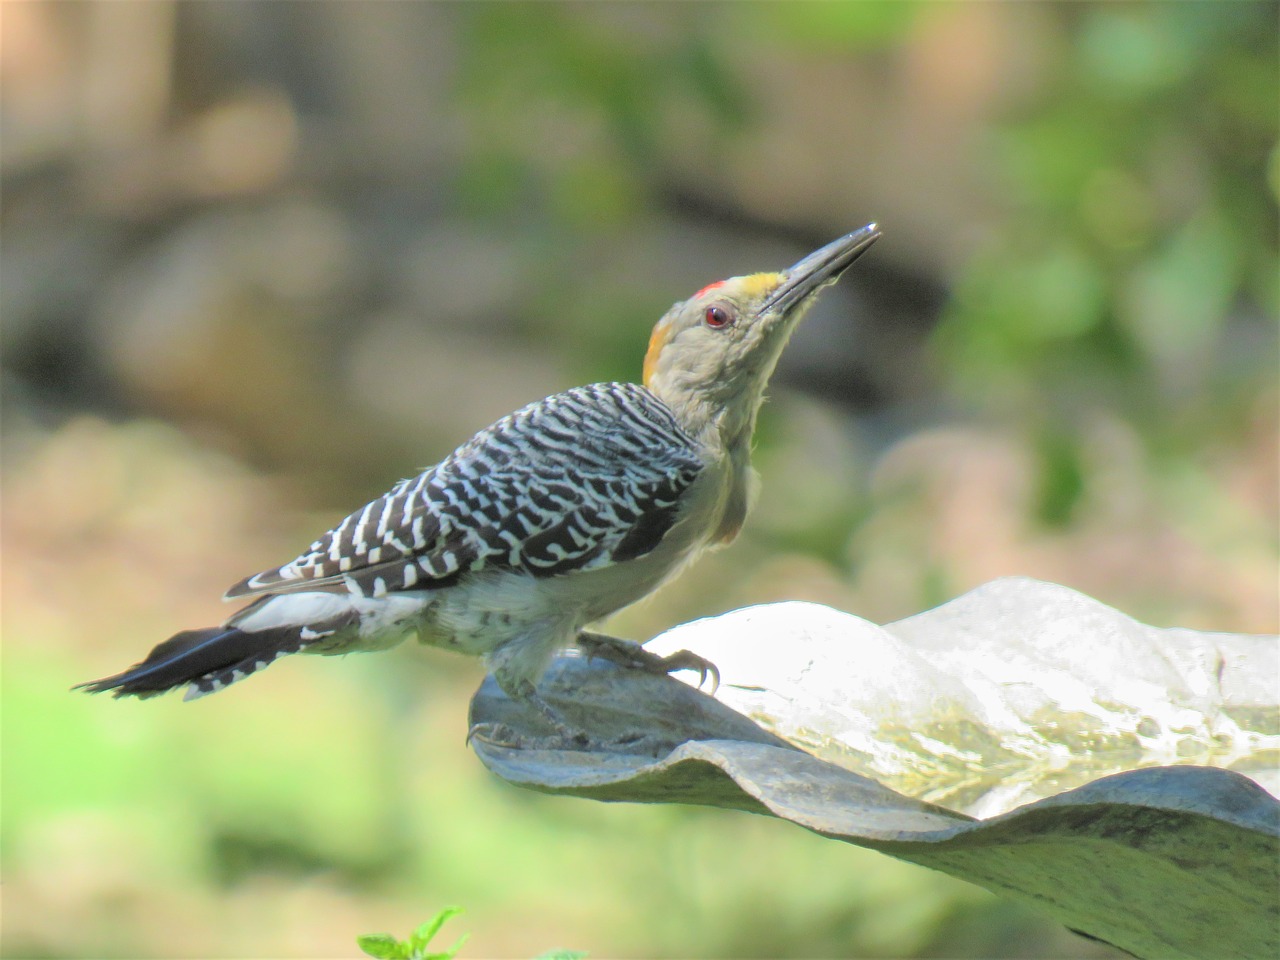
717	317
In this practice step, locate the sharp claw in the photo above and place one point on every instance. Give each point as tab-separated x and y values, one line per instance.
715	679
630	654
708	669
686	660
491	733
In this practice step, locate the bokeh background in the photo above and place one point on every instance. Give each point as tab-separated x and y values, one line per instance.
262	259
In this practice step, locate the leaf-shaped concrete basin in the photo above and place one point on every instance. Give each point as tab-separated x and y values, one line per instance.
1016	691
1163	862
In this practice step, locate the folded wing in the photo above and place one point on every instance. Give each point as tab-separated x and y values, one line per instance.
581	479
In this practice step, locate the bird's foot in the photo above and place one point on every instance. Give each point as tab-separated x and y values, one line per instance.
493	734
565	731
531	735
628	653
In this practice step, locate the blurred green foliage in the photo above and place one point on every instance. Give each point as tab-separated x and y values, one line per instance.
1135	244
579	66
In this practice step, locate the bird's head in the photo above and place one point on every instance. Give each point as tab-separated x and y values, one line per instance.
711	356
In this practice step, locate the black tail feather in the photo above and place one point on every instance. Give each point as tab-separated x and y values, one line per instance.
208	659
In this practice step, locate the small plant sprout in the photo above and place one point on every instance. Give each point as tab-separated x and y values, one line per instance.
384	946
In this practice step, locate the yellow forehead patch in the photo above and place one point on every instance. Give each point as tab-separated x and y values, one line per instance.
752	286
758	284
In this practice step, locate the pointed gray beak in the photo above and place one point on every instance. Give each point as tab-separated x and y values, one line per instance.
820	268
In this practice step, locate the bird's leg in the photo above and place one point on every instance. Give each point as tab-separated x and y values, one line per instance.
529	695
522	690
628	653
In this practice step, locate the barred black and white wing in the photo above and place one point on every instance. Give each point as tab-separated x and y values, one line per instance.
581	479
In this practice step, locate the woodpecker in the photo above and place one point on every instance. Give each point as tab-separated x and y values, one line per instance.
544	523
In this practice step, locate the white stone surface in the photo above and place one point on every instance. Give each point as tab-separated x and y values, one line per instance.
1015	691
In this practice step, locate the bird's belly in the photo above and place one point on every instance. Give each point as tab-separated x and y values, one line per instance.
484	611
488	609
604	590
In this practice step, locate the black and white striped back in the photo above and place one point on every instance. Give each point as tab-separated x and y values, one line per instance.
577	480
